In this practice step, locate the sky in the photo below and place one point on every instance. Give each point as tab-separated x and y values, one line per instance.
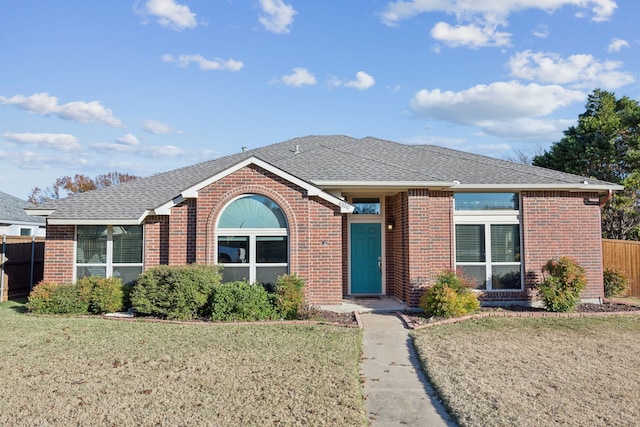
147	86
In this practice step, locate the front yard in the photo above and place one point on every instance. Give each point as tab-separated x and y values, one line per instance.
536	371
89	371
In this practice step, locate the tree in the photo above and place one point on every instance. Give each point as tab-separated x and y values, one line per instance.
77	184
605	145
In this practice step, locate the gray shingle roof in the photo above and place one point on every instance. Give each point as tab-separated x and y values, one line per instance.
12	210
319	159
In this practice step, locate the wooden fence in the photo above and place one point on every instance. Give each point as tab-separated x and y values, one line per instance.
624	256
21	265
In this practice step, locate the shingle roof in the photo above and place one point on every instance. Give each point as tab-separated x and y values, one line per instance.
12	210
320	160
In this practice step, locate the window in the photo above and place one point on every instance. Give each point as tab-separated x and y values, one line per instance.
109	251
253	243
486	201
366	205
487	239
25	232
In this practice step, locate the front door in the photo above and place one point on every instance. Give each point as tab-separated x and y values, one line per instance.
366	265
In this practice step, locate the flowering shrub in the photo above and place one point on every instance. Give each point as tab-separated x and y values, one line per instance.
563	281
450	296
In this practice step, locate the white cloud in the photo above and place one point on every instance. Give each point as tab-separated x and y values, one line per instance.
299	78
58	141
471	36
139	150
79	111
463	9
276	16
169	14
203	63
501	109
156	127
541	31
363	81
616	45
128	139
582	71
478	20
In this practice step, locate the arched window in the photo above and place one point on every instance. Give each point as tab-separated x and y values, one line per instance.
253	240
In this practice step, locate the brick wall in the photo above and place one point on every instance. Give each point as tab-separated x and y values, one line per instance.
559	224
156	241
59	253
427	233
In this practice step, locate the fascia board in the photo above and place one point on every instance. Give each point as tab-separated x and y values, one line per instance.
98	221
39	212
541	187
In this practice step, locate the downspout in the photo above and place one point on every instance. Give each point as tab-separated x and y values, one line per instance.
4	246
604	199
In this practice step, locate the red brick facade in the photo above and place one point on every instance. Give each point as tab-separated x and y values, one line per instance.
419	245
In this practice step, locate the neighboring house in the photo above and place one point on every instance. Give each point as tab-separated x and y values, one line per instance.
352	217
14	221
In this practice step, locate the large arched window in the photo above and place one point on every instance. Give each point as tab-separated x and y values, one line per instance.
252	240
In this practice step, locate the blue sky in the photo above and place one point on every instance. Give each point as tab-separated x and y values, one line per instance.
145	86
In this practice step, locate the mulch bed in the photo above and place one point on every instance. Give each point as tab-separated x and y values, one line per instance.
417	319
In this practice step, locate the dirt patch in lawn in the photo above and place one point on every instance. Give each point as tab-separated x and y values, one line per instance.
530	371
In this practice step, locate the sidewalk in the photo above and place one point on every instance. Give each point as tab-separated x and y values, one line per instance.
395	388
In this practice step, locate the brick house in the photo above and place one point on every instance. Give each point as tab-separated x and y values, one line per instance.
352	217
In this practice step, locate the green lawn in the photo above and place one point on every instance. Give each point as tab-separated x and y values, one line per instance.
59	371
536	371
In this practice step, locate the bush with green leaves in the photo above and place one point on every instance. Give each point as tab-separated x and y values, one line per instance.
288	298
102	294
563	280
176	292
615	283
57	298
241	301
450	296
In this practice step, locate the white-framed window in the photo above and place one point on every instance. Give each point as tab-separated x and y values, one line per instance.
109	251
252	240
26	231
487	239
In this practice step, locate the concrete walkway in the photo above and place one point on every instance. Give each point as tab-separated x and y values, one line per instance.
395	388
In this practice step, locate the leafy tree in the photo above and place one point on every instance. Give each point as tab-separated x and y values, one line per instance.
77	184
605	145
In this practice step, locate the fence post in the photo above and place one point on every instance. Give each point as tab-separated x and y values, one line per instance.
33	260
4	246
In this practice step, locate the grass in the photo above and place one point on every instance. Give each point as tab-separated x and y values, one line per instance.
92	371
536	371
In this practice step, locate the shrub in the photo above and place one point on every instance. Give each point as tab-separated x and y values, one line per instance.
57	298
450	296
289	296
563	281
103	295
615	283
39	300
241	301
175	292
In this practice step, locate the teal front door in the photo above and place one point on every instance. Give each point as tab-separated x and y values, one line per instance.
366	265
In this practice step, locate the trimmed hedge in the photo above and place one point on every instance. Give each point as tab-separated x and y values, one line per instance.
241	301
94	295
176	292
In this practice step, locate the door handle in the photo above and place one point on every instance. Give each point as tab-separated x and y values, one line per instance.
380	265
